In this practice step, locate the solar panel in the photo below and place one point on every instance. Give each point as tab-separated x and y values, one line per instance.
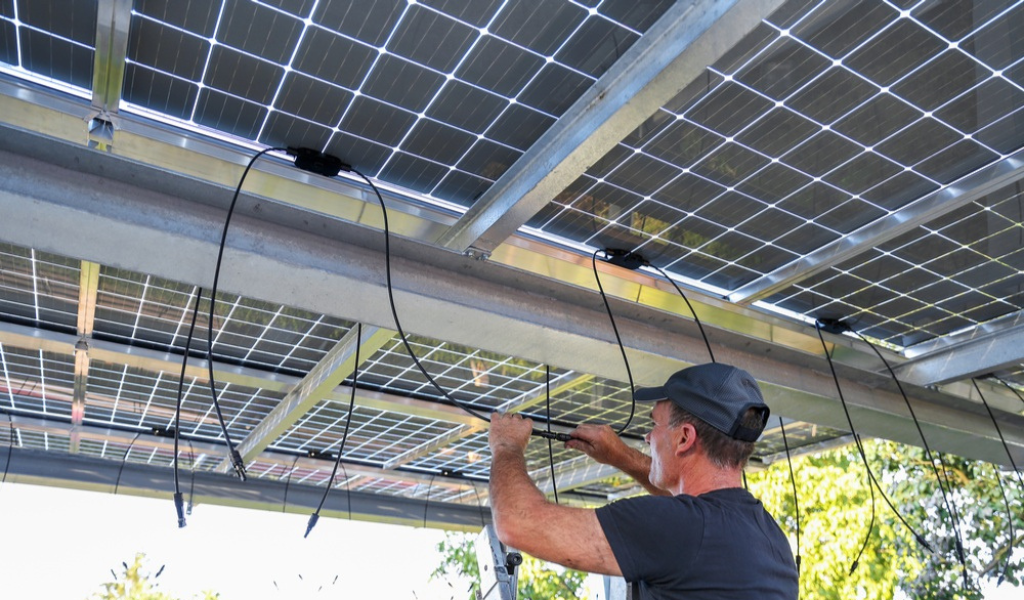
401	75
820	125
959	270
39	287
477	377
142	309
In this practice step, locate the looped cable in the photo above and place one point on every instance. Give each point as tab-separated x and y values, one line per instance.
622	348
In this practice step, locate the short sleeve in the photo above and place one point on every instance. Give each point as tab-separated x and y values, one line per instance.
653	538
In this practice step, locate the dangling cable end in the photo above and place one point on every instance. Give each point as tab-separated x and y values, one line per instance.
238	464
854	566
179	507
313	518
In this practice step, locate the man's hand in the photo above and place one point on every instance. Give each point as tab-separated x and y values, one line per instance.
509	431
600	443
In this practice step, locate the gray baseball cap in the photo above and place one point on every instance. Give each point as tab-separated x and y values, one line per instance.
716	394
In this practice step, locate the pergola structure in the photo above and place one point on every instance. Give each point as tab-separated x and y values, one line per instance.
784	162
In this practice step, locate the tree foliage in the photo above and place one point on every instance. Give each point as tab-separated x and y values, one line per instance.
835	501
135	582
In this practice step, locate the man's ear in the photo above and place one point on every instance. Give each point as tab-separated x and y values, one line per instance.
687	438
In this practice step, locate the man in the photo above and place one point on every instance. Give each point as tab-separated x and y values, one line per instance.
699	535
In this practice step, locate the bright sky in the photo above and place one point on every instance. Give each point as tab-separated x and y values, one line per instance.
60	543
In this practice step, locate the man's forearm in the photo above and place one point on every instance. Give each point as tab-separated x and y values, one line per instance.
514	497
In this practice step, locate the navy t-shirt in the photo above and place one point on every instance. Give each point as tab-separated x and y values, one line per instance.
719	545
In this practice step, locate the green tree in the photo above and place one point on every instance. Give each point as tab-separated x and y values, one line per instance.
135	583
835	502
538	580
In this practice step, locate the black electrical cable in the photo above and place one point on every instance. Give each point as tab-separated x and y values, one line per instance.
236	458
426	501
10	451
192	482
796	500
480	505
871	528
287	482
944	489
955	520
551	452
618	339
394	310
745	486
179	503
1009	512
696	319
1009	515
348	492
1018	394
124	459
1009	387
860	448
344	436
562	437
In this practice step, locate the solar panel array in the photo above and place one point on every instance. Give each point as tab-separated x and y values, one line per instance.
828	117
439	97
821	122
137	311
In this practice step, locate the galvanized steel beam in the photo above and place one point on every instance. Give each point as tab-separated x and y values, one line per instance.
88	287
990	348
35	467
322	379
113	18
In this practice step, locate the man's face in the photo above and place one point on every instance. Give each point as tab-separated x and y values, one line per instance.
662	439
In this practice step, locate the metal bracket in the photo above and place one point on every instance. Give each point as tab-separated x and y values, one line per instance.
499	577
101	133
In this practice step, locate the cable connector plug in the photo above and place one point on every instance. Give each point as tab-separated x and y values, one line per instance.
315	161
238	464
552	435
833	326
313	518
179	507
626	259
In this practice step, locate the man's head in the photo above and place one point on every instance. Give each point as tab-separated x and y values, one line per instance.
722	403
